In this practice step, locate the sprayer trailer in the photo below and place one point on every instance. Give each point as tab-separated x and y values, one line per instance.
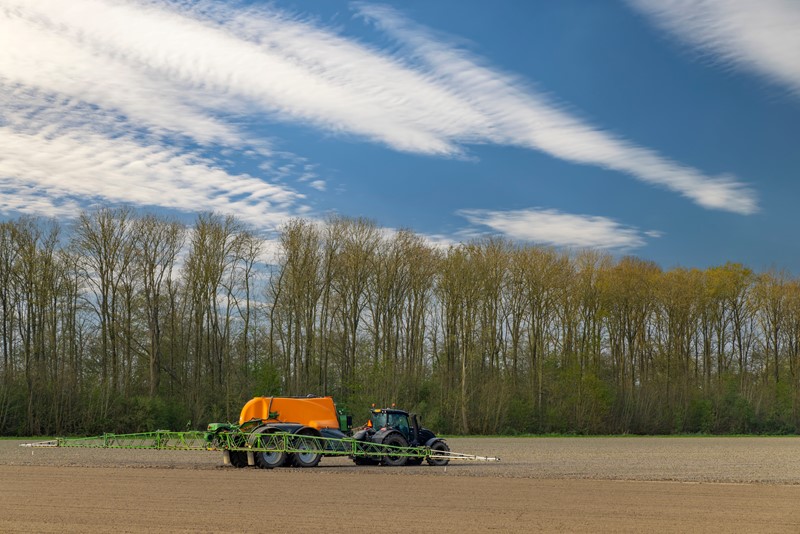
311	425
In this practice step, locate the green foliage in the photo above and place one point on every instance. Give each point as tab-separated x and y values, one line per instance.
734	412
520	417
779	418
102	329
700	417
12	403
145	414
268	380
595	404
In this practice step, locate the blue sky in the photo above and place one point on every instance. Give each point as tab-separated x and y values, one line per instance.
667	129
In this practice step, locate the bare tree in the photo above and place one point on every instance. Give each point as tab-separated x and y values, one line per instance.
104	241
158	242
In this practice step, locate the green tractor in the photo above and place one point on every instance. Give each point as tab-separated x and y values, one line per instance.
398	428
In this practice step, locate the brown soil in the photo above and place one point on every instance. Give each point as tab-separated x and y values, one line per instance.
541	484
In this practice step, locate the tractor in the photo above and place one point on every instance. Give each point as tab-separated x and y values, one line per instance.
398	428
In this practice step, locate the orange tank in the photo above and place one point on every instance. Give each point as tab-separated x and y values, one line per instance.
316	412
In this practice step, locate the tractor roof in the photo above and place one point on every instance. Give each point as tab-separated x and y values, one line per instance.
389	410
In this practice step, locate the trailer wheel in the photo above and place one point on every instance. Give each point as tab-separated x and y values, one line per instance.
238	458
395	440
309	458
268	460
438	446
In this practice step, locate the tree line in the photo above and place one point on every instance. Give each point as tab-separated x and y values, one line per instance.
125	321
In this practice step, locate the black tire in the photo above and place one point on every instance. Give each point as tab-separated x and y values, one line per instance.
438	446
306	459
268	460
238	458
415	461
360	460
395	440
364	436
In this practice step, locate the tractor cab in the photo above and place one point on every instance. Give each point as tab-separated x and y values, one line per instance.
405	423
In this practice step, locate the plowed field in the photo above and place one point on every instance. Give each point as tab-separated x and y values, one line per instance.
541	484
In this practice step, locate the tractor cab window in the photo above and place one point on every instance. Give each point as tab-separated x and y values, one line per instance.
400	422
378	420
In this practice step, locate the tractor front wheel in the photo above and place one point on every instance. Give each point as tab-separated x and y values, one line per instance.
438	447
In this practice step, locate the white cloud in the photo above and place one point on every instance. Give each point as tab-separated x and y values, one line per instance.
26	198
551	227
60	170
148	78
125	53
319	185
523	117
762	36
52	47
83	124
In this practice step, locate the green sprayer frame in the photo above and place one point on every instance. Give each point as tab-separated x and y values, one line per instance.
236	440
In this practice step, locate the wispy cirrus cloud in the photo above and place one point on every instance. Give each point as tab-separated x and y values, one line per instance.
156	78
53	161
760	36
83	123
82	167
552	227
518	115
53	47
207	57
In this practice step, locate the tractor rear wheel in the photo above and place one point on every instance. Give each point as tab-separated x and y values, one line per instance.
395	460
438	446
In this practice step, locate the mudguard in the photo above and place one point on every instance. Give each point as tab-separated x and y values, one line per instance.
292	428
308	431
380	435
431	441
332	433
364	434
